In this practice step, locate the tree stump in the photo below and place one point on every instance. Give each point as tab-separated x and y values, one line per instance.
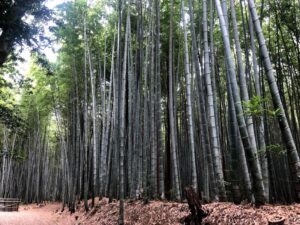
197	213
277	220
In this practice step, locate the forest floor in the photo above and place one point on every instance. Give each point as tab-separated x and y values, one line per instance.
153	213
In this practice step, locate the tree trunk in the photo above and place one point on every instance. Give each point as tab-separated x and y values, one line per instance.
189	104
282	120
250	151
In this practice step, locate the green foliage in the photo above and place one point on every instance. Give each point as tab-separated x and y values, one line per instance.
274	113
10	118
37	98
276	149
16	155
16	27
9	112
254	107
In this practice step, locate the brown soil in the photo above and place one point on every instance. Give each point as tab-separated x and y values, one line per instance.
153	213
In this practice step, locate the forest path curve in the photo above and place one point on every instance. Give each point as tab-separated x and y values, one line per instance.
37	215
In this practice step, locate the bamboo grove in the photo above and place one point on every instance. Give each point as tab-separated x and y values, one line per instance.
148	97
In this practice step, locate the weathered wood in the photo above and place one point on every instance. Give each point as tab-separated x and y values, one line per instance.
197	213
9	204
278	220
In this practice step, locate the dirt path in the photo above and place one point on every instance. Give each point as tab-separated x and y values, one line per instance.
37	215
